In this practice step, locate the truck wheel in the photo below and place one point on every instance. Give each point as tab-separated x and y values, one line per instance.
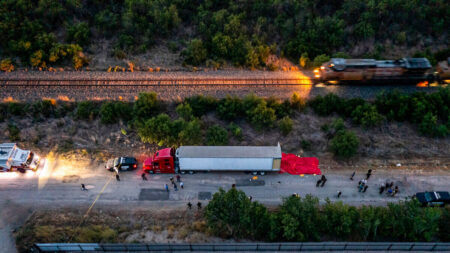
262	173
183	172
254	173
191	172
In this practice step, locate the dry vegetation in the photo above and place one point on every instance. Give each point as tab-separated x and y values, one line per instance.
105	225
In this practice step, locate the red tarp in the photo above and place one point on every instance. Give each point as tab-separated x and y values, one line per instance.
295	165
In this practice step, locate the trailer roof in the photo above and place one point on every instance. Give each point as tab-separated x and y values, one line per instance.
229	152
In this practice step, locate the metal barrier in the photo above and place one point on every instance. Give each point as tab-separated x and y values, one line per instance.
242	247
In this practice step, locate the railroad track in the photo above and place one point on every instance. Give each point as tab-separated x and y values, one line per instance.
154	82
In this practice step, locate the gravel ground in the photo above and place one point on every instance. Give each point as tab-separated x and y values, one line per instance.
180	92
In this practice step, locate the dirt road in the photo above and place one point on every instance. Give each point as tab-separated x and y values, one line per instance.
59	186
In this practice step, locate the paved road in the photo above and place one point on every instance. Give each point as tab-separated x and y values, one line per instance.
59	186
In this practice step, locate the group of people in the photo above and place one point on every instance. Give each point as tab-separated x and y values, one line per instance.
199	205
174	184
389	188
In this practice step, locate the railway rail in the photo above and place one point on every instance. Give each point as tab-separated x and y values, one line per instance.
155	82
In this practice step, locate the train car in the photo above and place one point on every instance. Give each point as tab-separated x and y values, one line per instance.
405	70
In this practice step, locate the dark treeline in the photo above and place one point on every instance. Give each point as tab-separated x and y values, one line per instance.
233	215
54	32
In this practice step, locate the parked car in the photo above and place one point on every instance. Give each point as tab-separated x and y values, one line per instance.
121	163
433	198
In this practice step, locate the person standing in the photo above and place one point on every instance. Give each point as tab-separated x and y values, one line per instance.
178	178
175	186
369	173
360	187
117	177
83	187
339	193
353	174
189	205
166	187
199	205
323	181
381	189
395	191
144	177
182	185
318	182
365	188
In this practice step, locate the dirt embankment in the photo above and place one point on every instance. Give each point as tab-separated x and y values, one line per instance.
385	145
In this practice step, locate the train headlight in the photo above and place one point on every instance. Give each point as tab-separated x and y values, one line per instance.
322	67
316	71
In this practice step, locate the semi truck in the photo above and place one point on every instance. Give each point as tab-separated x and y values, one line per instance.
405	70
13	158
190	159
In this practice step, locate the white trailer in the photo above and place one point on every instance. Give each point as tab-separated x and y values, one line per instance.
255	159
14	158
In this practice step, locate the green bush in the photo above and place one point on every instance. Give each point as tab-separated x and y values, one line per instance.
16	109
86	110
184	111
232	215
216	136
157	130
236	131
14	132
320	59
326	105
201	104
79	33
366	115
191	134
44	107
344	144
195	53
286	125
230	108
107	113
6	65
146	106
250	102
297	102
262	117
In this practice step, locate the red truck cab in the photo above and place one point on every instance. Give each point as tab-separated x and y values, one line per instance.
161	162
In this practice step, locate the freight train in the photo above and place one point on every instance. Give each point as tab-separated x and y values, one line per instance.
405	70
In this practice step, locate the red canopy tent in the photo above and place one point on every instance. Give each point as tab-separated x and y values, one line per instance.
295	165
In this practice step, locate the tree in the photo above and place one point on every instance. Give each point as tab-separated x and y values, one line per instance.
232	214
366	115
286	125
86	110
6	65
156	130
230	108
191	134
299	218
262	116
320	59
201	104
184	110
344	144
146	105
78	33
297	102
195	53
216	136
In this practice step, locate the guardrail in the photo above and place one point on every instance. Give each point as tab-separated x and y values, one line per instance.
242	247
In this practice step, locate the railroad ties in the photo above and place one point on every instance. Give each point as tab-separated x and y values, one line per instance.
154	82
